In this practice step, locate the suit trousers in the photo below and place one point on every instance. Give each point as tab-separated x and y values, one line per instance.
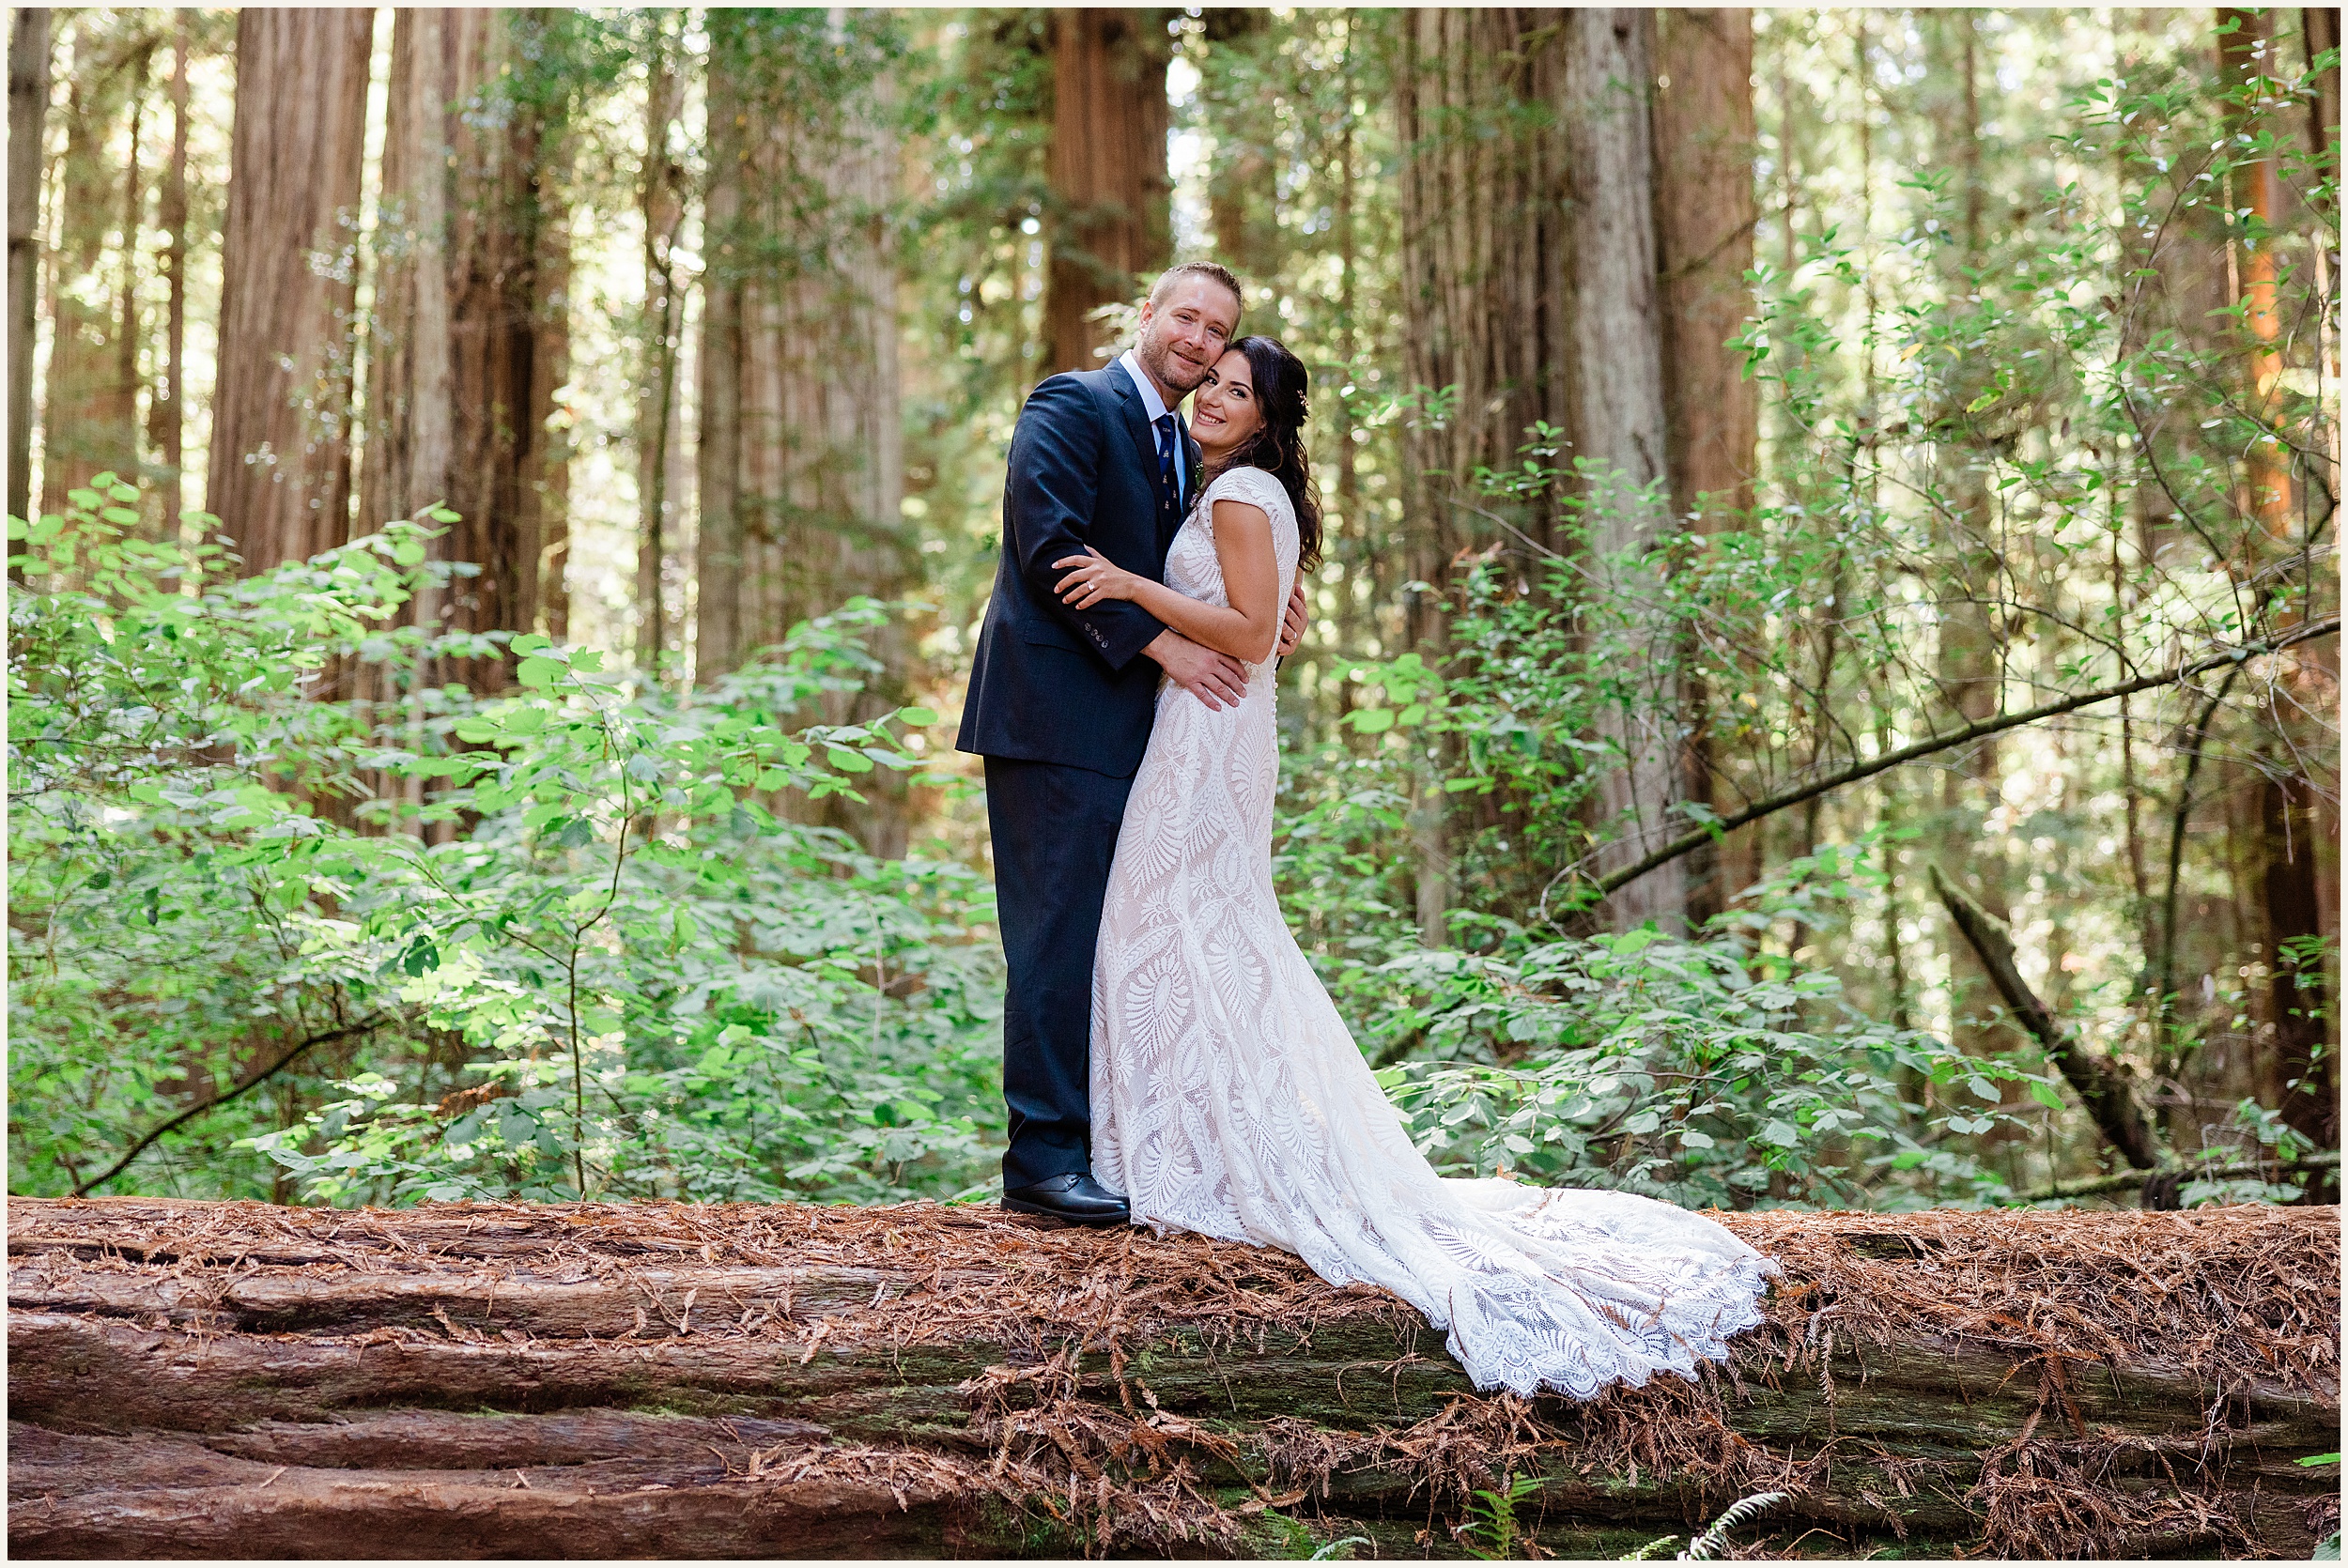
1055	829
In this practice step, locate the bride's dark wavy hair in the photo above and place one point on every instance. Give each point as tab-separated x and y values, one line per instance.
1277	446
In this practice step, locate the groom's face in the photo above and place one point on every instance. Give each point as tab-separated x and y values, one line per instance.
1182	339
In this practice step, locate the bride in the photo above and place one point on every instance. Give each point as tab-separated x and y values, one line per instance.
1229	1098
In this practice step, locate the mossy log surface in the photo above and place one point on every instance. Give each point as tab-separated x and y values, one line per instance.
234	1380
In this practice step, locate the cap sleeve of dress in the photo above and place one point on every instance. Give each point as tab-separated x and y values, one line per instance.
1252	485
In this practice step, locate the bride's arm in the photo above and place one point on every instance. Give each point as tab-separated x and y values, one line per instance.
1251	579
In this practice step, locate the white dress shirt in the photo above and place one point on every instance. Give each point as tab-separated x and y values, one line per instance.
1154	407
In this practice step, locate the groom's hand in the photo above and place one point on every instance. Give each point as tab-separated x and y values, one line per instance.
1294	623
1213	678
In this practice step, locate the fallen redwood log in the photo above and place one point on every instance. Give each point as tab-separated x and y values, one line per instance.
235	1379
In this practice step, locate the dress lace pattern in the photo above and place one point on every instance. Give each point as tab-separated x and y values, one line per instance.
1230	1098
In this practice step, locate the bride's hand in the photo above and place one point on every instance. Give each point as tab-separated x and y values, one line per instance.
1095	578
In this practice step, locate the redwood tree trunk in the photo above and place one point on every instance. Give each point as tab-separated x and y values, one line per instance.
2320	33
280	471
28	116
1704	213
1111	194
802	495
469	335
2246	53
2304	1071
90	407
1970	657
1621	424
1488	296
668	1380
411	442
662	195
166	421
508	261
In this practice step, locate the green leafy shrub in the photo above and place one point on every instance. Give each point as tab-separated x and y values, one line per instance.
560	939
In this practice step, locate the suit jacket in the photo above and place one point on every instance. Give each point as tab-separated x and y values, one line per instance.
1051	683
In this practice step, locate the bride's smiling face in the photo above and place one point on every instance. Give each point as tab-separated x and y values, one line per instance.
1223	414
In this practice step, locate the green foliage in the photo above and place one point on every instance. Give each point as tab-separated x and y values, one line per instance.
584	945
2001	462
1716	1536
1491	1530
1685	1070
574	933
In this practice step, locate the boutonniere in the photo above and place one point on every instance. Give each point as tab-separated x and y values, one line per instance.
1196	470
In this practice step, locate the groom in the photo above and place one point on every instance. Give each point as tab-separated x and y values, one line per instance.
1062	700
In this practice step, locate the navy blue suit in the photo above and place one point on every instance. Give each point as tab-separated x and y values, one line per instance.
1060	705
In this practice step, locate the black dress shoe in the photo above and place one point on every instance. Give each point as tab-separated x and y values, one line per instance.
1074	1197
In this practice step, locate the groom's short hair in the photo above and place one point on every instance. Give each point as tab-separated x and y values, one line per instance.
1215	271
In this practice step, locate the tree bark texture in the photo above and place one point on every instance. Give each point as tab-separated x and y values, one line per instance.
469	325
166	418
2306	1058
2245	54
1488	290
1485	268
89	407
1971	655
1705	214
29	123
1621	426
234	1380
1111	195
280	463
802	458
662	196
2320	33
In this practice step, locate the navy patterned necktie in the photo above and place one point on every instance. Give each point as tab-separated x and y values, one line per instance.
1167	442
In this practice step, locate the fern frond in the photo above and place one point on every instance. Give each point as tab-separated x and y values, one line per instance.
1703	1546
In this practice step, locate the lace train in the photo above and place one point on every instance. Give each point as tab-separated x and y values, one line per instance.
1230	1098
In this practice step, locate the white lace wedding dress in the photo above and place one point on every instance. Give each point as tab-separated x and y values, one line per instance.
1230	1098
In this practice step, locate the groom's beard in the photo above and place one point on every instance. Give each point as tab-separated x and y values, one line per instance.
1171	372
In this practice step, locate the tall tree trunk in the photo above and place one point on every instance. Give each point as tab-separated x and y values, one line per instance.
166	414
2246	54
1111	195
469	339
90	411
1704	213
1970	654
662	198
545	500
280	467
506	268
2302	1075
717	631
2305	1072
28	119
1622	426
412	447
127	334
1488	301
800	358
411	378
2320	33
1348	528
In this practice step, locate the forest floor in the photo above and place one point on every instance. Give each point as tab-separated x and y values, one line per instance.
931	1381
